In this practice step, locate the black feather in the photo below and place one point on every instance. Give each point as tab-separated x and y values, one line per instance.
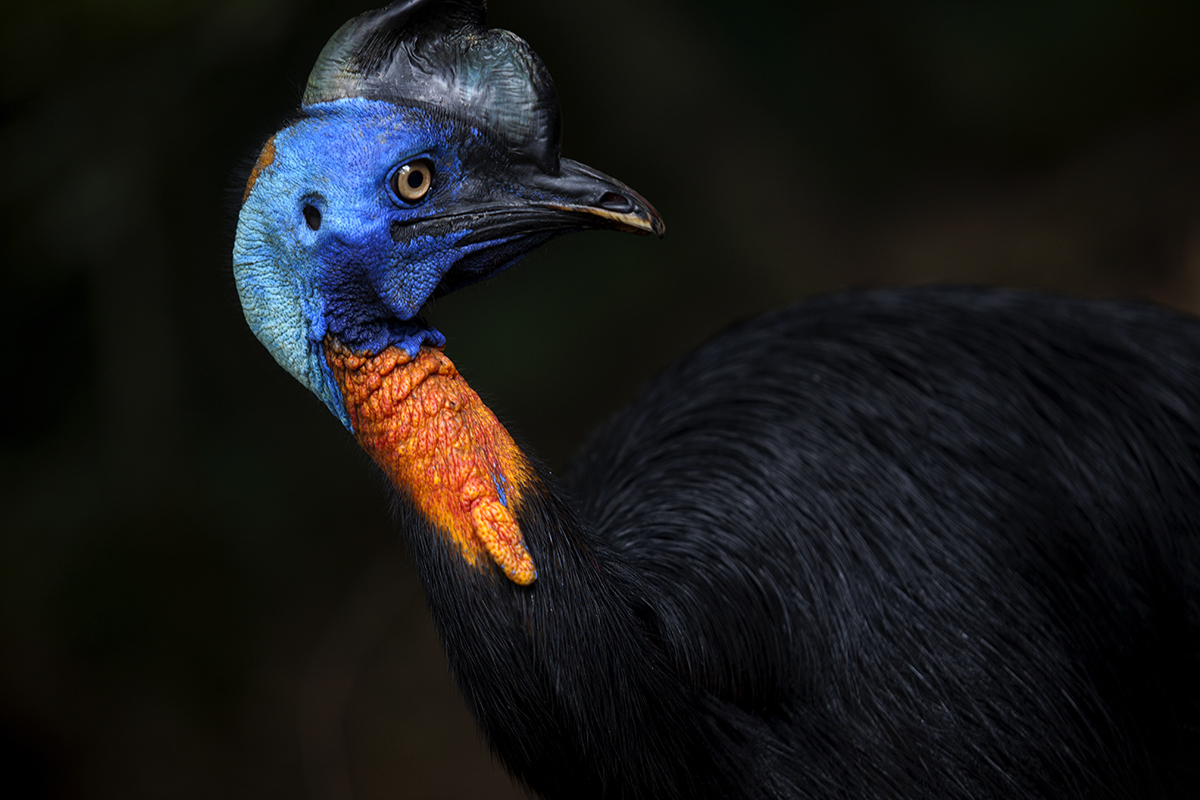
901	544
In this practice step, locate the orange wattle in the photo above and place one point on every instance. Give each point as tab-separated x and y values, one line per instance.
439	444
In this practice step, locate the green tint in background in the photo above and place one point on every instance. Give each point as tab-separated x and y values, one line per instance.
201	591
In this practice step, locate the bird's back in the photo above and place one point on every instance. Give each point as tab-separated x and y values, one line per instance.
928	542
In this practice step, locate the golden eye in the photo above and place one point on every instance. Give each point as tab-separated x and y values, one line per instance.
411	182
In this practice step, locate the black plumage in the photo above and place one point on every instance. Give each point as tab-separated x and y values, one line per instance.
924	543
899	544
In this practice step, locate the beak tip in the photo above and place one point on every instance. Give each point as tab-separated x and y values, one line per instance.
649	220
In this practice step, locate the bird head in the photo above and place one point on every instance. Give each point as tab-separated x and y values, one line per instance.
425	157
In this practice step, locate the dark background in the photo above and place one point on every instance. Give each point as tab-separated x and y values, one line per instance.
201	592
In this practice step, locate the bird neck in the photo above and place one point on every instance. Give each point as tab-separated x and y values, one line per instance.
554	660
442	447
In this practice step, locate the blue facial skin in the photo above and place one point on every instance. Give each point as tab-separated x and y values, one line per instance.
351	277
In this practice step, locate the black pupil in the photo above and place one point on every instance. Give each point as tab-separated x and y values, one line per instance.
416	177
312	217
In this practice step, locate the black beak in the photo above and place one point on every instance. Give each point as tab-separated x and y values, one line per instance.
578	198
594	200
504	225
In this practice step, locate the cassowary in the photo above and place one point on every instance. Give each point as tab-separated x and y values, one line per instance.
896	544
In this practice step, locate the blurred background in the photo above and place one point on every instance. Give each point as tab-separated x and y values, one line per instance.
201	592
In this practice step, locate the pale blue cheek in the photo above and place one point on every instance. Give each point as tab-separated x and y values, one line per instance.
281	309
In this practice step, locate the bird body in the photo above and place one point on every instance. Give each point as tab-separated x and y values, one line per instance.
922	543
895	544
903	544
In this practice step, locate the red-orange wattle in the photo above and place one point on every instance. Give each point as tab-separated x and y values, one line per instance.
437	441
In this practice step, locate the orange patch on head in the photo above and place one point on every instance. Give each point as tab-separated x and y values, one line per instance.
265	158
437	441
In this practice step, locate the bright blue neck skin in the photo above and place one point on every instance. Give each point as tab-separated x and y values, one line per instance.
349	278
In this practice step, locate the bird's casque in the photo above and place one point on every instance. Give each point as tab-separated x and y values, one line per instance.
425	52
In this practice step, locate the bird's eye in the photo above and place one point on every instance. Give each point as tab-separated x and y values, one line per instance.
412	181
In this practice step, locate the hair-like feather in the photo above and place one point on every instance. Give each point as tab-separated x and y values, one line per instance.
901	544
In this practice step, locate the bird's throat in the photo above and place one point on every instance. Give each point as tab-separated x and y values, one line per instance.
440	445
